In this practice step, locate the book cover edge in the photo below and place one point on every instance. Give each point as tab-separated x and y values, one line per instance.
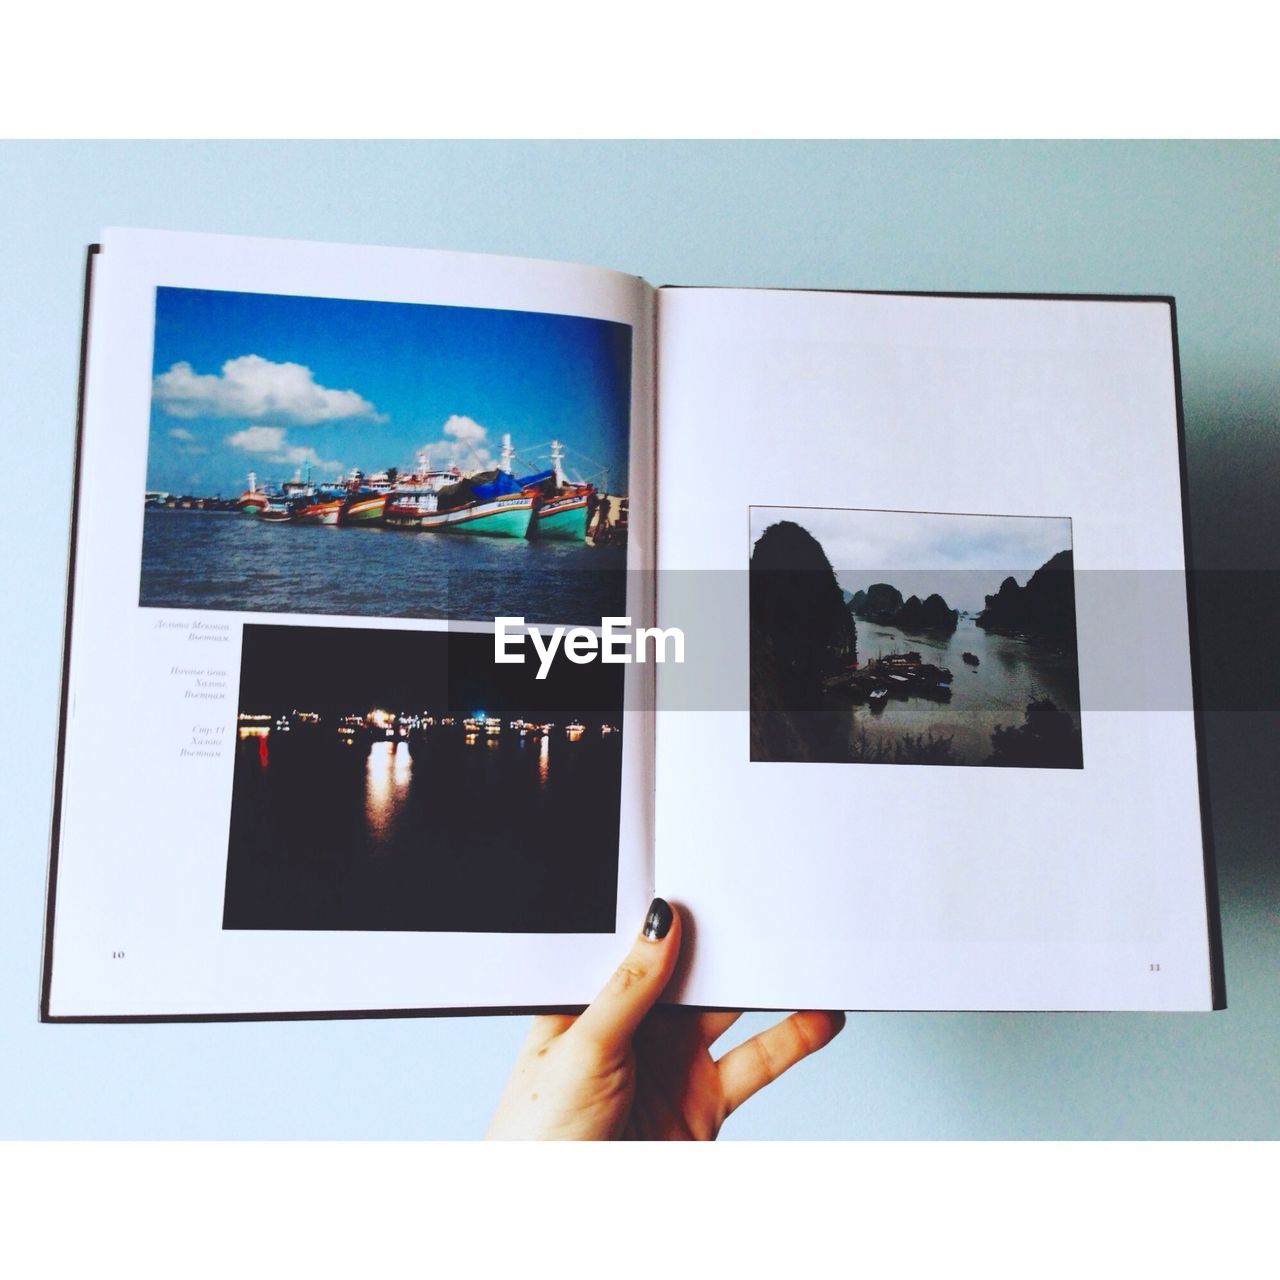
55	821
1213	910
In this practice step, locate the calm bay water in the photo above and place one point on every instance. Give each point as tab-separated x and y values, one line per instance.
444	833
1010	674
220	560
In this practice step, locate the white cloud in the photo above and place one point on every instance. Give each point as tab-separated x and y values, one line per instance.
258	439
251	387
298	455
187	443
465	445
461	427
273	445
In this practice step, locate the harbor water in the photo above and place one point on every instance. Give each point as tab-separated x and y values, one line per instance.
1010	673
407	835
226	561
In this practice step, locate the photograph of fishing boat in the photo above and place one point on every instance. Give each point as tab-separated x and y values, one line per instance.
894	637
503	434
401	780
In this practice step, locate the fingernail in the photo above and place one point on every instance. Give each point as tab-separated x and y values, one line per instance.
657	923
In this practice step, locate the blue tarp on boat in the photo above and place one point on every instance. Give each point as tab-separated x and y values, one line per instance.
493	484
488	485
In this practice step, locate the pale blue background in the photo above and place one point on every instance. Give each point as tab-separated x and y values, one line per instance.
1200	221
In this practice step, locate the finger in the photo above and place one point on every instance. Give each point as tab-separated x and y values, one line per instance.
611	1019
714	1023
762	1059
546	1027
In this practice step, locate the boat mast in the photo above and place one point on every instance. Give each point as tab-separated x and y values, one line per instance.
557	457
508	453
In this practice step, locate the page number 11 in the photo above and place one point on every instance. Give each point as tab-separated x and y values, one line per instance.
1153	968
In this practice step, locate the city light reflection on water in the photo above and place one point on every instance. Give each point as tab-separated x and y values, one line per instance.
402	764
355	831
387	774
261	734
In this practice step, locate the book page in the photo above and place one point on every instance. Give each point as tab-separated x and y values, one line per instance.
295	779
933	744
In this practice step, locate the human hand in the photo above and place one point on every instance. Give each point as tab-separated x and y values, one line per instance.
623	1069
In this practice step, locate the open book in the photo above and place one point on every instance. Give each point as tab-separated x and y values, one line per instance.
916	723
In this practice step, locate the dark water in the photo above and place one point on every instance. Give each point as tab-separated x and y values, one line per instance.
441	834
1010	674
219	560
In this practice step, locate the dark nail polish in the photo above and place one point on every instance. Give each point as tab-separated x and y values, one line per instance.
657	924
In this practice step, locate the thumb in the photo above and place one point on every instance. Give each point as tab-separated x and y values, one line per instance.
611	1019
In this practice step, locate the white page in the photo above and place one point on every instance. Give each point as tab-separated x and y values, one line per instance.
143	847
923	886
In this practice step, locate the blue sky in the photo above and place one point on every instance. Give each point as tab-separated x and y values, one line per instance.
269	383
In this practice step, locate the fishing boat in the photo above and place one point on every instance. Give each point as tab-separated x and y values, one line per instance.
415	495
320	510
502	516
563	517
277	510
284	504
252	501
563	505
404	508
298	489
367	498
363	507
490	503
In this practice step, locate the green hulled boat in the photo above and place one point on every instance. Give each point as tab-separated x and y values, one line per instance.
563	517
505	517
